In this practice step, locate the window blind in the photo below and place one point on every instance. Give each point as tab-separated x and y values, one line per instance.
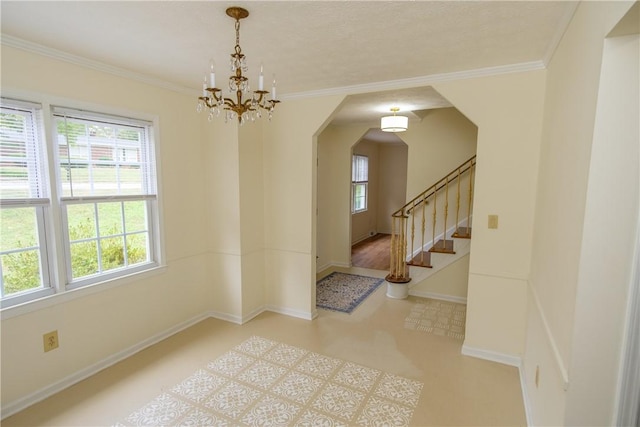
103	156
22	174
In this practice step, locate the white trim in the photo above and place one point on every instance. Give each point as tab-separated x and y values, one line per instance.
552	342
505	359
565	20
28	46
36	48
528	410
255	313
442	297
37	396
306	315
419	81
231	318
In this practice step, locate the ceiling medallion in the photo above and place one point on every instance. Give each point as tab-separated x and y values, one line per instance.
243	110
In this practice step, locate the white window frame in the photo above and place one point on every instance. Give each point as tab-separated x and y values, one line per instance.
359	178
149	197
41	205
51	212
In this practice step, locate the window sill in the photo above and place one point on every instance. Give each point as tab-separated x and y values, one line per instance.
72	294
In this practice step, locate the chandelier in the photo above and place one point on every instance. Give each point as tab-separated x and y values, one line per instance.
394	123
243	110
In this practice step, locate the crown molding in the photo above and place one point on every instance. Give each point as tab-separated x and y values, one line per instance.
36	48
39	49
565	20
419	81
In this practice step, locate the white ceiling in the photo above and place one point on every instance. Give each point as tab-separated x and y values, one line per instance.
311	46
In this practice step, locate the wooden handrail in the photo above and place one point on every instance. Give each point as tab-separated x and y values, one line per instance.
408	211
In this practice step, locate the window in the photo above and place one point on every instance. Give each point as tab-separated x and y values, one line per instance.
23	203
359	183
105	199
107	190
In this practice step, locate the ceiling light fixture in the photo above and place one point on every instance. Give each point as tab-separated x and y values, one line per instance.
394	123
243	110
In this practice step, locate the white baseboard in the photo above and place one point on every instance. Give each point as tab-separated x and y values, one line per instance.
332	265
505	359
306	315
525	395
443	297
231	318
33	398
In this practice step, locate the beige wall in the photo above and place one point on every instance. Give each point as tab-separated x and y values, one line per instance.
584	225
505	185
392	185
290	153
95	324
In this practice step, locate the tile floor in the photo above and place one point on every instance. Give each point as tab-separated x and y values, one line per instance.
363	368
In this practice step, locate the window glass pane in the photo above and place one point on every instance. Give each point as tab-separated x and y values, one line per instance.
104	159
82	221
21	271
359	197
18	228
112	253
110	218
135	216
137	248
360	168
84	259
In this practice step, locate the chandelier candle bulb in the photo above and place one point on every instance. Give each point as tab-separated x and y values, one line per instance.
212	75
273	88
261	79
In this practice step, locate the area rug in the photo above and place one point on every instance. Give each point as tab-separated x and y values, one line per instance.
261	382
344	292
437	317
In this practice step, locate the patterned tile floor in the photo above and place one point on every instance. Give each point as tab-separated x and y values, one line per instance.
437	317
262	382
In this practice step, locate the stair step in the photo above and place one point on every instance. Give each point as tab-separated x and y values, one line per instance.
423	259
443	247
462	233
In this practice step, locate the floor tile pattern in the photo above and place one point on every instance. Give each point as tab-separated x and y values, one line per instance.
265	383
437	317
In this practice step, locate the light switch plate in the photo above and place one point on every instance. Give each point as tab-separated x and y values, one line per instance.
493	221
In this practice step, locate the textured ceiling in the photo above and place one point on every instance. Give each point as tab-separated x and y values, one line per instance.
311	46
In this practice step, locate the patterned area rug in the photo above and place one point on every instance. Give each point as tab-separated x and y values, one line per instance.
344	292
437	317
265	383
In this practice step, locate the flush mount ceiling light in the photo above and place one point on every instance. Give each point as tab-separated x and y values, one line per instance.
394	123
243	110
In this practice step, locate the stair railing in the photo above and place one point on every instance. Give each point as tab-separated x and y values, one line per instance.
403	222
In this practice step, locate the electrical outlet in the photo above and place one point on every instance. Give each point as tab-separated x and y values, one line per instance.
50	341
493	221
537	375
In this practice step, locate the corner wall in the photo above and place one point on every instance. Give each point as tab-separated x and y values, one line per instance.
586	214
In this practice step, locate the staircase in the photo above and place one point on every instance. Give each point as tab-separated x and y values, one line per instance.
425	224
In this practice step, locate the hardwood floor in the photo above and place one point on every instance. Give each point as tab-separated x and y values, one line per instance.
372	253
